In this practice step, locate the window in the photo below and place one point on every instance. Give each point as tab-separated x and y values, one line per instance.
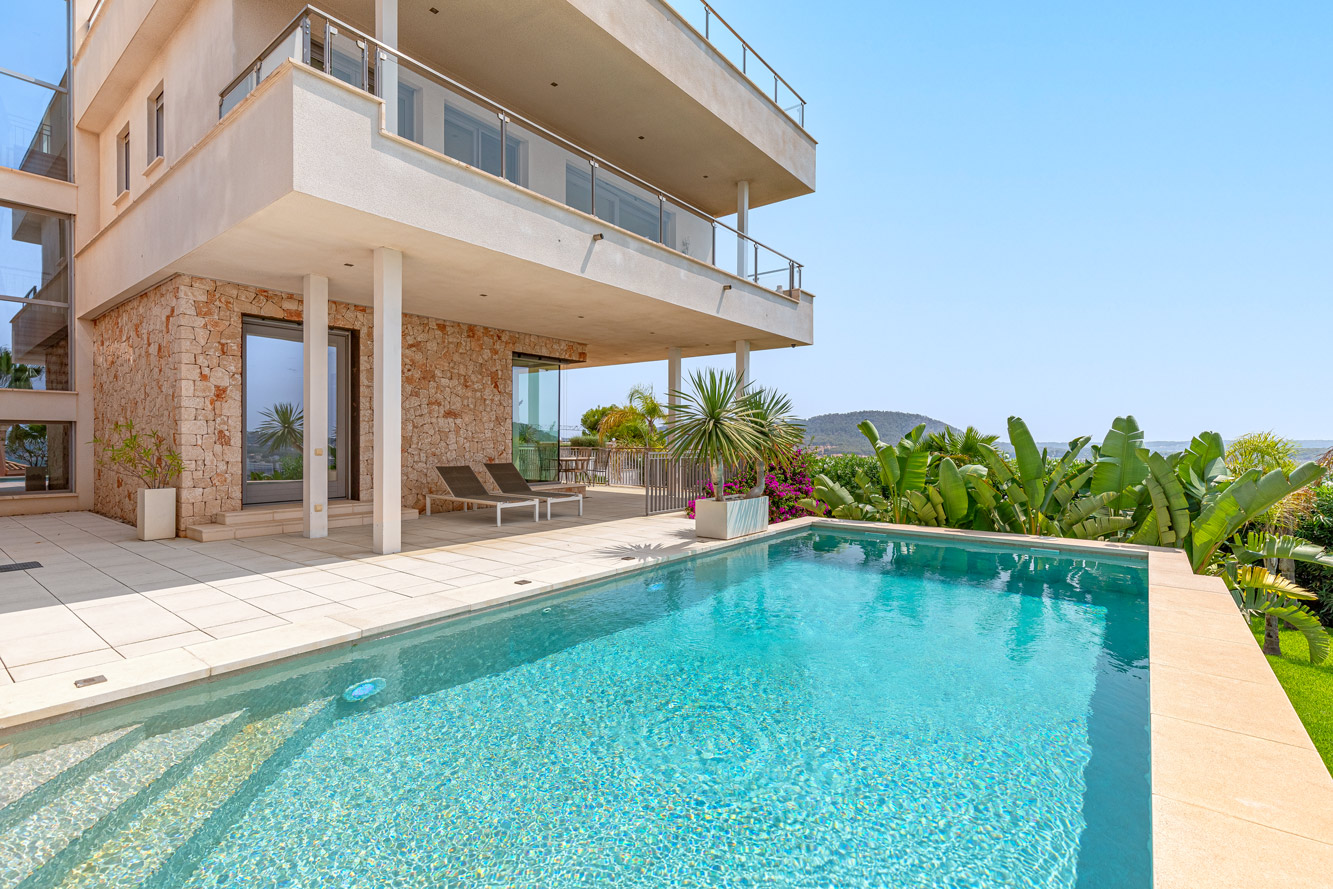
123	161
157	139
34	300
35	457
34	87
476	142
617	204
409	100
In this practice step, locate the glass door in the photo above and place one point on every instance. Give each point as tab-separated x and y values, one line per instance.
273	411
536	416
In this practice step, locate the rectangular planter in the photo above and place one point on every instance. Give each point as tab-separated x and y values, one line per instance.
156	513
727	519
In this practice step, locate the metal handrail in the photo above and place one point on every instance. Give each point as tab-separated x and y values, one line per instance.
710	12
796	268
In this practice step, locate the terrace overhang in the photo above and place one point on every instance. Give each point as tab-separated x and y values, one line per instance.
301	178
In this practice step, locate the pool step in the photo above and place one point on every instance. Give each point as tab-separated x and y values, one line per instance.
29	782
262	522
33	850
139	847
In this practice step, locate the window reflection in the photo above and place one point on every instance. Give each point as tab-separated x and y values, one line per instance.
536	395
34	99
34	300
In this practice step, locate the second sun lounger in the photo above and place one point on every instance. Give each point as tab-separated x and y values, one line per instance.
465	488
510	481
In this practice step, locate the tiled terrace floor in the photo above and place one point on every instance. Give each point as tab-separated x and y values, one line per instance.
101	595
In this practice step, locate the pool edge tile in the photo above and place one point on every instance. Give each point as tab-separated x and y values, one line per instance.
273	644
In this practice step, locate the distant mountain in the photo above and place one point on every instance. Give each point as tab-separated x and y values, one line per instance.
837	433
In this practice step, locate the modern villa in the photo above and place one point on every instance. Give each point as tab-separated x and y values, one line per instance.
302	583
399	219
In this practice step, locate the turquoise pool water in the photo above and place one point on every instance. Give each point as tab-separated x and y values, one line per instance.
818	710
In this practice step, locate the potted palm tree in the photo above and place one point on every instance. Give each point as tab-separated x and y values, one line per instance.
716	422
155	464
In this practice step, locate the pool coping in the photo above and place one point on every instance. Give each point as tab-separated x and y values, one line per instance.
1240	796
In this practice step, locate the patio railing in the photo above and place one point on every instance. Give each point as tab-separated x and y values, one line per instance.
532	156
670	484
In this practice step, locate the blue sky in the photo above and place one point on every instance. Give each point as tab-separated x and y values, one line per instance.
1061	210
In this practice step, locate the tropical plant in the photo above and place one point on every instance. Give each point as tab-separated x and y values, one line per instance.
282	427
13	375
147	457
637	420
968	446
1260	592
1316	526
780	433
27	442
787	486
713	422
842	468
593	416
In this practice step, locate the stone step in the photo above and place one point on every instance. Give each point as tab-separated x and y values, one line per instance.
29	782
135	852
237	529
37	840
290	512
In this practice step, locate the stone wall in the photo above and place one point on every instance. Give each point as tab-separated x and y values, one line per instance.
171	359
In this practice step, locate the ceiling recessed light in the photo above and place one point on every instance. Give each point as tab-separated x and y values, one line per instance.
580	316
481	294
705	175
640	138
434	11
553	83
349	265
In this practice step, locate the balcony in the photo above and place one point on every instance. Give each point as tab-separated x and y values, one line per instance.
444	116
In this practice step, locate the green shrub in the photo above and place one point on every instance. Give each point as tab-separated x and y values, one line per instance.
842	468
584	441
1317	527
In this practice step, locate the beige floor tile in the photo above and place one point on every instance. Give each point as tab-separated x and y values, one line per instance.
240	627
163	643
254	587
1231	660
1187	599
1290	791
198	596
346	589
1220	627
206	617
1260	709
49	646
238	652
133	621
85	661
1197	848
279	603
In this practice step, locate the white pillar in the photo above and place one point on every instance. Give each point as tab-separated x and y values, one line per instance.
673	381
743	378
386	32
743	247
388	402
315	446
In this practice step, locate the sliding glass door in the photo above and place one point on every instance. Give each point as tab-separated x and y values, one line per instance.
536	417
274	411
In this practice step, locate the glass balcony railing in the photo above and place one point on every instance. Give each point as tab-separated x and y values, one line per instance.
732	46
447	117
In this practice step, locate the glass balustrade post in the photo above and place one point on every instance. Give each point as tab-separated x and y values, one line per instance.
713	258
329	33
365	67
756	262
504	130
744	60
791	277
592	187
661	219
707	14
775	86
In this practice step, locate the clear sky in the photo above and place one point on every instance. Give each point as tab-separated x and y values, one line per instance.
1065	211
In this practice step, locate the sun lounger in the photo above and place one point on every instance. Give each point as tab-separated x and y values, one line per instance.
465	488
510	481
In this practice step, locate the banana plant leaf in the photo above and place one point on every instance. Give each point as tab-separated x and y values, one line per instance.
1031	465
1119	468
1257	546
953	492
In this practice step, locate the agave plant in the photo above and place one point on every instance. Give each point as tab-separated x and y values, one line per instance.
283	427
714	422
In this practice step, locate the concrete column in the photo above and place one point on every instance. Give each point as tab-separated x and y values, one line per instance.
743	247
387	402
673	382
386	32
743	377
315	444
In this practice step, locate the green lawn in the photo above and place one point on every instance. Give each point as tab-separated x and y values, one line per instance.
1310	688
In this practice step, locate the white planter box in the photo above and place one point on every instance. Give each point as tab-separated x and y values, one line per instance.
725	519
156	513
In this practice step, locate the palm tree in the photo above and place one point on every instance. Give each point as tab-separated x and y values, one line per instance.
13	376
968	446
714	422
283	427
640	416
779	432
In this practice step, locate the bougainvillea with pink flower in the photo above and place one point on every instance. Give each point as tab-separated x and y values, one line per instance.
784	486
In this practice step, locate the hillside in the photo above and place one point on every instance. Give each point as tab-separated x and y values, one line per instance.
837	433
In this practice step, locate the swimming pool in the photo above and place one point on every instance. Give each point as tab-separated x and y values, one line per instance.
819	709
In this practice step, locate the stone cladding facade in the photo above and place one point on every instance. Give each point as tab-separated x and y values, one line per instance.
170	359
